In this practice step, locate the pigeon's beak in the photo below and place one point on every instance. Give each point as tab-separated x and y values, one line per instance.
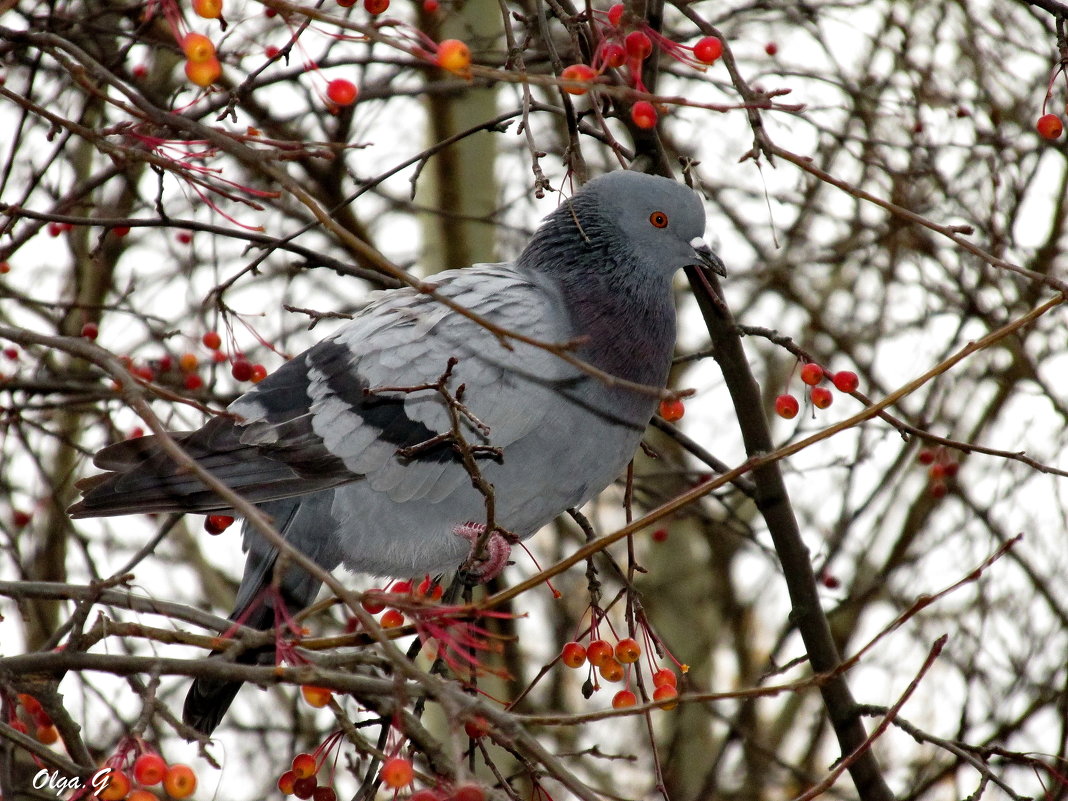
706	258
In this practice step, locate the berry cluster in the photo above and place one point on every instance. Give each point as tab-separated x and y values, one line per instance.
302	778
812	374
33	714
626	42
941	468
376	601
119	780
614	664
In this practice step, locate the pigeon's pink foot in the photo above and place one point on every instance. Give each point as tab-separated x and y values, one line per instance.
494	555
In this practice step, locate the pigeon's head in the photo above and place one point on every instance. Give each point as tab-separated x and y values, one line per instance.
634	217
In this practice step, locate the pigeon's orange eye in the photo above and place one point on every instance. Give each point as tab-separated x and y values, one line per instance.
659	219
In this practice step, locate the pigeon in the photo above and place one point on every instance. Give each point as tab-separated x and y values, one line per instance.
364	450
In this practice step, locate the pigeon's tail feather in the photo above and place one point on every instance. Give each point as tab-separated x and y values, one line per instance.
143	478
305	524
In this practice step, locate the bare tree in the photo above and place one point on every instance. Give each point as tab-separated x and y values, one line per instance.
860	597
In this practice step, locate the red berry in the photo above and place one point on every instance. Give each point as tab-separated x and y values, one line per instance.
628	650
578	72
373	603
939	489
598	652
285	782
573	655
615	14
787	407
317	697
375	6
29	703
391	619
212	340
667	695
660	535
468	792
184	237
1049	126
611	669
926	456
55	229
672	409
829	580
426	794
936	471
271	51
811	374
397	772
643	114
665	677
845	381
180	781
192	382
139	71
614	55
241	369
323	793
149	769
952	468
708	50
638	45
304	765
90	331
120	230
430	6
821	397
305	788
12	353
259	372
217	524
342	92
623	699
476	727
771	48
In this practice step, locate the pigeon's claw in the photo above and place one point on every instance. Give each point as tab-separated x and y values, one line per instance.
487	562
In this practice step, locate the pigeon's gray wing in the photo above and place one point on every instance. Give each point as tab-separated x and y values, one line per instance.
345	409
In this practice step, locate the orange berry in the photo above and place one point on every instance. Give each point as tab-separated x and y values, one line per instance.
672	409
821	397
397	772
668	695
476	727
611	670
198	47
286	781
116	785
149	769
665	677
259	372
188	362
212	340
180	781
628	650
208	9
304	765
47	734
391	619
342	92
317	697
623	699
598	651
573	655
5	267
203	73
454	56
578	72
141	795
